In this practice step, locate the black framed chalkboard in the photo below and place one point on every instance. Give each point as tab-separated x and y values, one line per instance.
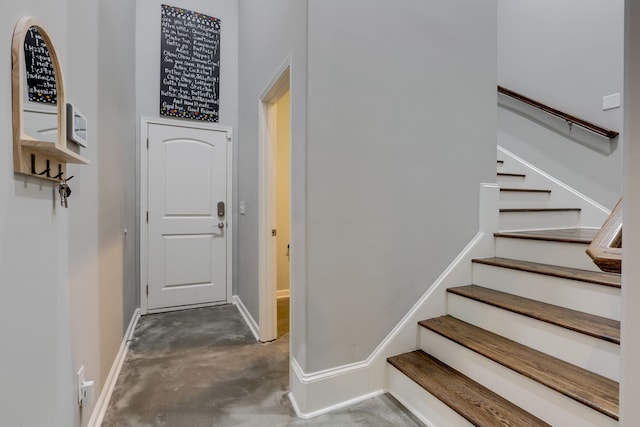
41	77
189	64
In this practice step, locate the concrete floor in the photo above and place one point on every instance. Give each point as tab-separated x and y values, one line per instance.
203	367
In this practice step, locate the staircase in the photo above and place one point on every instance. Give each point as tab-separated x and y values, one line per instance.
533	341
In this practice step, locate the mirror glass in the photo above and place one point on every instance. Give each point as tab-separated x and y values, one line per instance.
40	93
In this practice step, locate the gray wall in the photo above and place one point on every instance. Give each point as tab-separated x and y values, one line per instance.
64	274
117	151
402	120
270	32
34	320
568	55
630	345
391	137
147	87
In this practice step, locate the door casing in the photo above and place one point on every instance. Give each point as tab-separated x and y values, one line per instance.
144	185
268	319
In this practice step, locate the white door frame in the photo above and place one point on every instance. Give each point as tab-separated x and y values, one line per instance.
268	318
144	186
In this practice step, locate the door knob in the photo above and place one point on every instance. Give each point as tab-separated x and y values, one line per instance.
221	225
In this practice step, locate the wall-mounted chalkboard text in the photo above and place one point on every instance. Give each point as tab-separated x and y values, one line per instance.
41	77
189	64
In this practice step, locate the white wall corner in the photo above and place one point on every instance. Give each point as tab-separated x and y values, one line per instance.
319	393
322	392
102	404
248	318
489	207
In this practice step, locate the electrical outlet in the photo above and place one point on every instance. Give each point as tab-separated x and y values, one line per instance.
87	393
85	389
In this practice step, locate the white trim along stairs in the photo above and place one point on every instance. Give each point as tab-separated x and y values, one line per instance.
316	393
533	338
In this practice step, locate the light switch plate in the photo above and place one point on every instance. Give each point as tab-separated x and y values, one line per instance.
610	101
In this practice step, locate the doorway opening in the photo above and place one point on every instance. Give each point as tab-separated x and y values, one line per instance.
275	208
283	209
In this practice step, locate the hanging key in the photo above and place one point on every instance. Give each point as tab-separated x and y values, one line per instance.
65	192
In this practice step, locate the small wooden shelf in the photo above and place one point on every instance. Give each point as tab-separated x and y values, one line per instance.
53	151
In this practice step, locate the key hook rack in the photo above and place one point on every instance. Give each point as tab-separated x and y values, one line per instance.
38	104
47	171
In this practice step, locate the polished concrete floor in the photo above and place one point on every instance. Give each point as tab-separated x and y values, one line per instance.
203	367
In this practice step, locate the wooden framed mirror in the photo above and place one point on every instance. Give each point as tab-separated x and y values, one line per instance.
38	102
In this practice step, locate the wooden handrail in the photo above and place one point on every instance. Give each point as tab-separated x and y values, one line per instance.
606	247
568	117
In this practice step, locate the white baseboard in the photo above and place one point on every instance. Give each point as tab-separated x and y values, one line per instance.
340	405
102	404
337	389
320	392
282	293
251	323
325	391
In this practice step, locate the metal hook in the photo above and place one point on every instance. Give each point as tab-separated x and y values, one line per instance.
33	167
60	173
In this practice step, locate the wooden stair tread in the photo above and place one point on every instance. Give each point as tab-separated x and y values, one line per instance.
540	210
565	235
524	190
515	175
474	402
595	277
591	389
585	323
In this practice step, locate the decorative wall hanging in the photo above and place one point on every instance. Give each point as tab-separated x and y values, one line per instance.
189	64
39	109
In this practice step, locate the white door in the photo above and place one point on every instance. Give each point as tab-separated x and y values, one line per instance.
187	201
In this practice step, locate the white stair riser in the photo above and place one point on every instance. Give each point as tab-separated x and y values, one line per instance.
593	215
538	220
556	253
511	181
593	354
428	408
525	197
526	204
541	401
574	294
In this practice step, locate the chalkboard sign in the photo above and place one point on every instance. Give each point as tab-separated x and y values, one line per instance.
189	64
41	77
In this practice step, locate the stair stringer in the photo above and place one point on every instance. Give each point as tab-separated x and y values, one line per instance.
314	394
593	214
